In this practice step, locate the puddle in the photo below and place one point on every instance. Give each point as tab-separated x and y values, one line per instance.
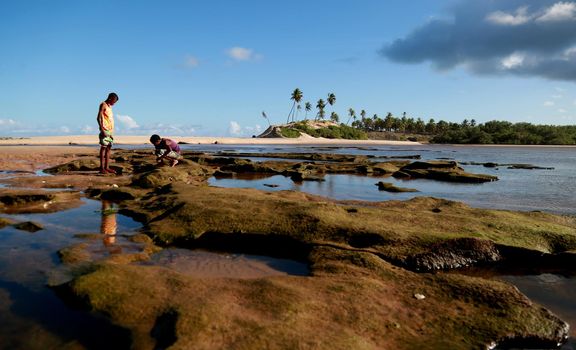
205	264
555	292
31	315
552	289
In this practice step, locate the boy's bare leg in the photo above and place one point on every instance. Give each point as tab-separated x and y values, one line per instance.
173	161
107	160
103	161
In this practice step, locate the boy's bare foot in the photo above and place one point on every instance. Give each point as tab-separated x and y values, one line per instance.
110	171
103	171
173	163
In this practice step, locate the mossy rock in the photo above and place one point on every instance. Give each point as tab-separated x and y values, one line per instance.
28	226
86	164
353	300
162	176
441	170
25	197
449	176
388	187
75	254
17	201
5	222
184	214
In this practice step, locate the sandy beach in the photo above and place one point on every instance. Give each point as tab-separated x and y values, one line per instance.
138	140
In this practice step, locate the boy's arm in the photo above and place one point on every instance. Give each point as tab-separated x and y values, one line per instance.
168	150
100	118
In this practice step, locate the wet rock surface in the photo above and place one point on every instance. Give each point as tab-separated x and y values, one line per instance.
28	226
14	201
363	258
388	187
443	171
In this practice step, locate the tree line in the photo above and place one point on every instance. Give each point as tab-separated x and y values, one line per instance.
466	132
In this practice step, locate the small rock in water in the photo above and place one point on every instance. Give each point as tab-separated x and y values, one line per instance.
271	185
114	185
419	296
28	226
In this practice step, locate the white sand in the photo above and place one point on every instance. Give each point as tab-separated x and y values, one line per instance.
138	140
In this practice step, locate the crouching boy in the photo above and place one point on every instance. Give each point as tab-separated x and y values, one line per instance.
166	149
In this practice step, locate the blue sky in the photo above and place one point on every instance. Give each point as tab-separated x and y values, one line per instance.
211	67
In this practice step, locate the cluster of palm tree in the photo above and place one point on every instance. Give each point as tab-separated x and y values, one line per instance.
296	98
404	124
390	123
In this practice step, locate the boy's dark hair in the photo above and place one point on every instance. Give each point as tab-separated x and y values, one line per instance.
112	95
154	138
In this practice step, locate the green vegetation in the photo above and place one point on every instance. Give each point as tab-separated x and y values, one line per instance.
290	133
502	132
416	129
468	132
341	131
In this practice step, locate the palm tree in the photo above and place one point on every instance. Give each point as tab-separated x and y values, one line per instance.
266	117
296	97
334	117
363	114
352	114
298	108
320	105
308	108
331	99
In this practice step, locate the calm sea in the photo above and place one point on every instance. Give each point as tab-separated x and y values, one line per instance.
550	190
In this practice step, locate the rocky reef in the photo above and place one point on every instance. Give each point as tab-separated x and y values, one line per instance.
374	280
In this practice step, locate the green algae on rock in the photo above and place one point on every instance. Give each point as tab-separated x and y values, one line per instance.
28	226
388	187
442	171
13	201
353	300
404	229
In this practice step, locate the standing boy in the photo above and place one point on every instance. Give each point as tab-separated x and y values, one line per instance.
166	149
106	125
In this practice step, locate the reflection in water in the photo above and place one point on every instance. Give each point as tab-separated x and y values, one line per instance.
552	288
108	225
33	316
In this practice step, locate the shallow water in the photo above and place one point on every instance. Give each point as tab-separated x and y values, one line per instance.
517	189
205	264
552	289
31	315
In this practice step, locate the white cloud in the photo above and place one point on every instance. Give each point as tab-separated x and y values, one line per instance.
503	18
561	110
234	129
127	121
560	11
64	129
549	103
513	61
569	53
253	130
87	129
243	54
191	62
7	122
557	97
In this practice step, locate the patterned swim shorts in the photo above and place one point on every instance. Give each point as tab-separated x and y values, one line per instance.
106	138
171	154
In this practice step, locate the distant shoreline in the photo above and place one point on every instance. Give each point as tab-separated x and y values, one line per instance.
92	140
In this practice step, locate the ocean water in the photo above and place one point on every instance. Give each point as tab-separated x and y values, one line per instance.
33	317
549	190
